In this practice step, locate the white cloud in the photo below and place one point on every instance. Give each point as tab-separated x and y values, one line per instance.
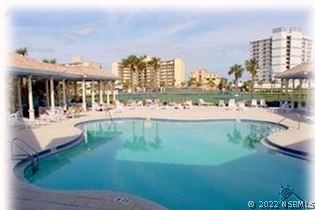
83	31
73	35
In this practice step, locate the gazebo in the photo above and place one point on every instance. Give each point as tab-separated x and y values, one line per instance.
303	74
25	68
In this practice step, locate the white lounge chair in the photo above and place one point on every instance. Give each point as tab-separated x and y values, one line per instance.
98	107
139	103
308	114
203	103
118	107
176	105
262	102
188	104
157	102
57	113
153	104
287	106
310	118
27	123
172	104
254	103
148	102
241	106
17	120
231	104
131	104
52	115
47	118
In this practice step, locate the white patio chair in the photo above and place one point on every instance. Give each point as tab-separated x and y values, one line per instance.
17	115
221	103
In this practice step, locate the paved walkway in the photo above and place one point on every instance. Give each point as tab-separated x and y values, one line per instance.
26	196
58	133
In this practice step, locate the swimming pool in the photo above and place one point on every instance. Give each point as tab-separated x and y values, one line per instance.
179	164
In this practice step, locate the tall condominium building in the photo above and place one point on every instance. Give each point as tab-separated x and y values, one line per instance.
170	74
286	48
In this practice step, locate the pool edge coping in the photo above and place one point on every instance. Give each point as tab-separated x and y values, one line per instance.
286	150
76	140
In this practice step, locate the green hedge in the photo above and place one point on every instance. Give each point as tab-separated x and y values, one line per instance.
208	96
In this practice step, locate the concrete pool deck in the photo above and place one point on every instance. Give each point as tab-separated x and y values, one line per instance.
26	196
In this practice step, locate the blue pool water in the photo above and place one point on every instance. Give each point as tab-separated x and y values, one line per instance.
181	165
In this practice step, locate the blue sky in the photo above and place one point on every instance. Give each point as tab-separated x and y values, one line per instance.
210	39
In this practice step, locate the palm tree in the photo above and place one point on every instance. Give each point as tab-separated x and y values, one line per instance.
192	81
22	51
141	67
162	85
182	84
126	85
222	84
137	66
237	71
156	64
131	63
252	67
246	85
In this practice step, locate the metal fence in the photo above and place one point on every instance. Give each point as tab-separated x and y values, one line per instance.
210	96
